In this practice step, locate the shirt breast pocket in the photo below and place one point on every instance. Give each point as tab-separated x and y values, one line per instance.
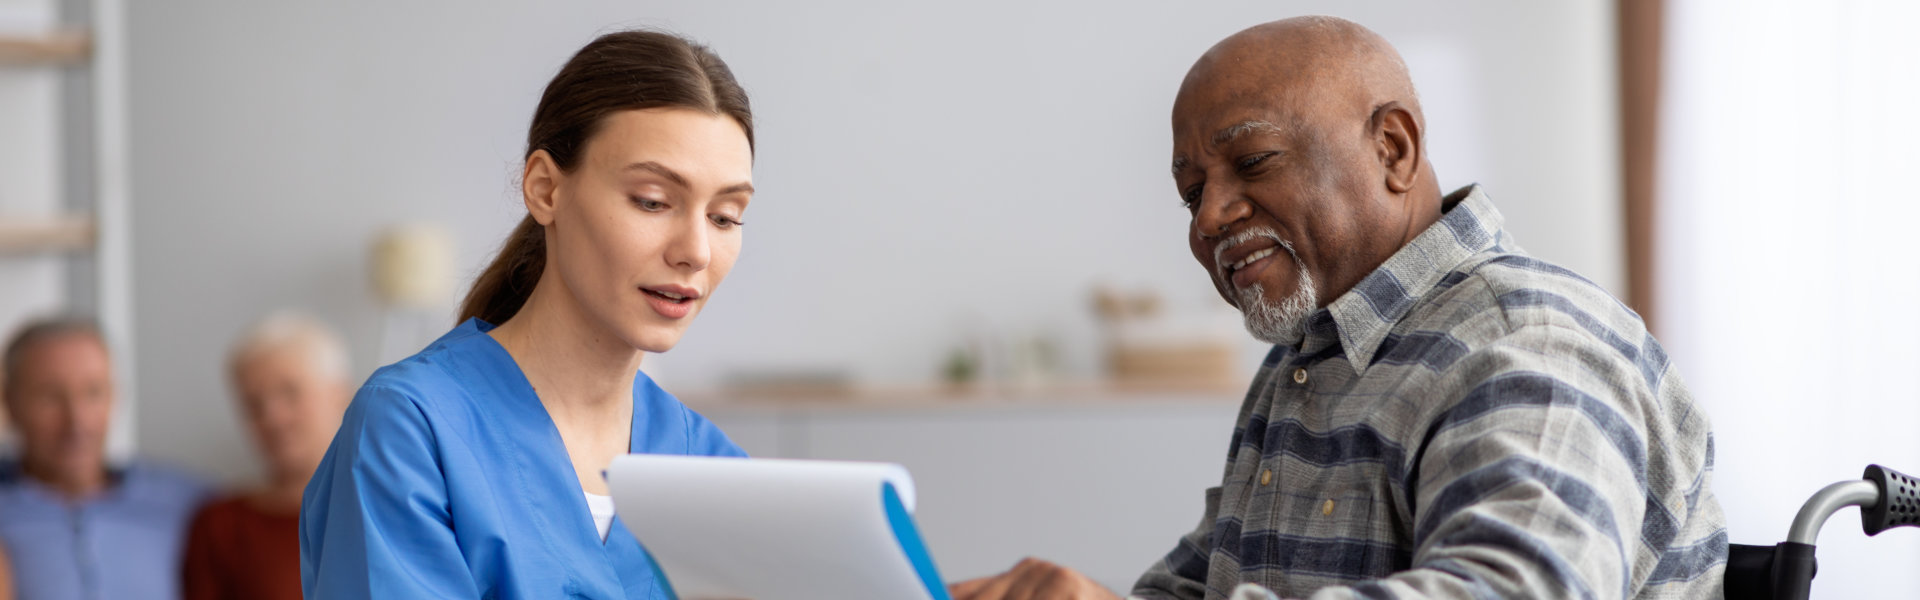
1332	528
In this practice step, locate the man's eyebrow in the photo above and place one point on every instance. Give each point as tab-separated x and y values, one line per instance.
1245	127
1228	134
679	180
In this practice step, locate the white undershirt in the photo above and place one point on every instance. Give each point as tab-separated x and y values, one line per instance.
602	509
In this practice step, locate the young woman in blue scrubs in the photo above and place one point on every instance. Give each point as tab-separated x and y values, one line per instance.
473	469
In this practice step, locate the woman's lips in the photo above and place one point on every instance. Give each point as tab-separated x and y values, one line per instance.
667	306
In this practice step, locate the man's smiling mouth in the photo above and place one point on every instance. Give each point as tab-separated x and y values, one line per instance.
1250	259
1244	255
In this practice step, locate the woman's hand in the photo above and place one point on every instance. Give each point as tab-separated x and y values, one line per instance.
1032	579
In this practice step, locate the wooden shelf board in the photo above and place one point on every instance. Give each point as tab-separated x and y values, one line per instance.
936	395
19	235
56	48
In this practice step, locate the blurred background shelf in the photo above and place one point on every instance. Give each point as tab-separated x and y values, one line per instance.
40	235
65	232
55	48
981	394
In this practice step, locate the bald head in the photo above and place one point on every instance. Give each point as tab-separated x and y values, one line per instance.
1319	68
1305	135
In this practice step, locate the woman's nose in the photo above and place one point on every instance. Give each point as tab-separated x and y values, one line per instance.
687	249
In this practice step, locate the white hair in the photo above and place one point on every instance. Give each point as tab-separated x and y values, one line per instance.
1284	323
325	352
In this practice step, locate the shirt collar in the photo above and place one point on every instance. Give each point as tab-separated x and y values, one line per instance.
1360	319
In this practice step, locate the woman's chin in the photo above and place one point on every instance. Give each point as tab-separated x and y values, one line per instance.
655	341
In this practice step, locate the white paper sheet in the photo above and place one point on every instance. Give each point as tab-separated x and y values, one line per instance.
774	529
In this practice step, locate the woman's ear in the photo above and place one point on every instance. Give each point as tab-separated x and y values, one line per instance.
540	186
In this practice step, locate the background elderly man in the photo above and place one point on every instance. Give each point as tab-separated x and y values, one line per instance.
289	374
1442	416
75	526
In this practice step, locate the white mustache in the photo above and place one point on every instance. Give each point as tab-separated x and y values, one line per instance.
1246	235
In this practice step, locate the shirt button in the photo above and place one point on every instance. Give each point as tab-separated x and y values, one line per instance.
1300	375
1327	509
1266	477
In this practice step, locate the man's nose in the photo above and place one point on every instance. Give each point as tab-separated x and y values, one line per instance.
1220	207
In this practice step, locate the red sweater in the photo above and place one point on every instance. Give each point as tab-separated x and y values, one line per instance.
235	551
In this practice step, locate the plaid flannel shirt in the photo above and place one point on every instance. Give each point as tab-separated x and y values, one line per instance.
1467	422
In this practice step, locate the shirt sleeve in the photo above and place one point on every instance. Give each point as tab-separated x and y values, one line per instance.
375	521
1182	574
1533	483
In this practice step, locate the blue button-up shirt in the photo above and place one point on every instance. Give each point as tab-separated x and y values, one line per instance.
123	543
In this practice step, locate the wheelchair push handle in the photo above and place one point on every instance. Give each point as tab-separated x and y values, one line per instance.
1784	571
1899	504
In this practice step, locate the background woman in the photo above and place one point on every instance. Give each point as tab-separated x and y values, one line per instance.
289	373
473	469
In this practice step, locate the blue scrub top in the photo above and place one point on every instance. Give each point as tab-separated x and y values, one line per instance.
448	480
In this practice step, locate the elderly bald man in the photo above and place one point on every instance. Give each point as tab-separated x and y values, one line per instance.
1442	415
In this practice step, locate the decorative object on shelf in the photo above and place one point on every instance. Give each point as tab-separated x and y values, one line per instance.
961	367
412	269
1034	361
413	266
1145	344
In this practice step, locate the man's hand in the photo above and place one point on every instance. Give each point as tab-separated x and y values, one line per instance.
1032	579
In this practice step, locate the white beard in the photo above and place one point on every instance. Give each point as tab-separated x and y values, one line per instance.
1283	323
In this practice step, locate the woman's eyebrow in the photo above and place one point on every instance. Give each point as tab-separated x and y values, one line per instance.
677	179
659	169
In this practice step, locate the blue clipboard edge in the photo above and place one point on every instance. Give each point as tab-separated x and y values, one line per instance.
908	535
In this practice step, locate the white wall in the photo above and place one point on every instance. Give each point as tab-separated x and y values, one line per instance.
1787	262
923	169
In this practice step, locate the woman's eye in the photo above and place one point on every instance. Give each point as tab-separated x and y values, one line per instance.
650	205
725	222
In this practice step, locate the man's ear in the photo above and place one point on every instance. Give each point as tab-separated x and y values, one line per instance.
540	186
1396	138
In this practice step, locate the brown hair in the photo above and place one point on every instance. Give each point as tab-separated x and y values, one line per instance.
627	70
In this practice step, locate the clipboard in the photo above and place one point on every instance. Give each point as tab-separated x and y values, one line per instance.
775	529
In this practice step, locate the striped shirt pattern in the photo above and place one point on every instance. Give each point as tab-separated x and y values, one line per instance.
1467	422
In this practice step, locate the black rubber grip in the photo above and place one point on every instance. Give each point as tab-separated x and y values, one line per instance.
1899	504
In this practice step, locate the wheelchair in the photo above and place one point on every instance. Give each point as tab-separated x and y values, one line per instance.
1784	571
